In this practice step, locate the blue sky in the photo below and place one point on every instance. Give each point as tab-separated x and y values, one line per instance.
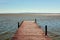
34	6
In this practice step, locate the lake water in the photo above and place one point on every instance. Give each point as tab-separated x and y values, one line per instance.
9	25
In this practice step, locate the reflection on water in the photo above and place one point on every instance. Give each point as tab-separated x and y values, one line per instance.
9	25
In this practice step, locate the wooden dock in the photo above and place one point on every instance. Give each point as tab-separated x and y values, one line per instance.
29	30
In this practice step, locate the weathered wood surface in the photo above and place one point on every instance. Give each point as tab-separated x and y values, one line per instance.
29	30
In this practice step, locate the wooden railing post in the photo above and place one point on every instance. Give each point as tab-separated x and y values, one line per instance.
45	30
18	24
35	20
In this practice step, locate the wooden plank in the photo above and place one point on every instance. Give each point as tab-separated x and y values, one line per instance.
29	30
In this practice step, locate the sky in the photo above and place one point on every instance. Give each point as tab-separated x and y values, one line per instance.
30	6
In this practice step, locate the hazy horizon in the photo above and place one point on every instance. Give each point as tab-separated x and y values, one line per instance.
31	14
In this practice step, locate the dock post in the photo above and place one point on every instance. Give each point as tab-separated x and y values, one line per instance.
35	20
45	30
18	24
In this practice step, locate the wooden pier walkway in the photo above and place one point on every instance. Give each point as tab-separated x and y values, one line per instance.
29	30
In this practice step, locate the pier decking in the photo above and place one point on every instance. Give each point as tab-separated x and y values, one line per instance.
29	30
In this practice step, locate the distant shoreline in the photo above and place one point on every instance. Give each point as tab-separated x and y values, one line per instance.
31	14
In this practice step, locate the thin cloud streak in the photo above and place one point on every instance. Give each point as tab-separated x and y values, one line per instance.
29	11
